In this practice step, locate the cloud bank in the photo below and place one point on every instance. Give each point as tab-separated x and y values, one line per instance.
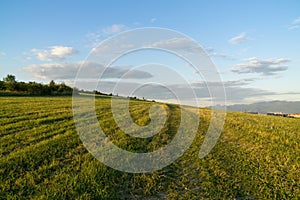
263	67
90	70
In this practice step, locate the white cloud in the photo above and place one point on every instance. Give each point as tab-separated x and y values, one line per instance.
136	23
295	24
113	29
153	20
264	67
242	37
2	54
296	21
98	36
94	38
212	53
293	27
54	53
111	48
175	44
89	70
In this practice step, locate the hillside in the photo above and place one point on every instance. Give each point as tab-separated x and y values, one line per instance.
268	106
42	157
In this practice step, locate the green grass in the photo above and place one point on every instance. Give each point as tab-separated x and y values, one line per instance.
42	157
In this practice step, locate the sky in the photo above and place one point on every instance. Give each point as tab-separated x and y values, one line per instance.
254	46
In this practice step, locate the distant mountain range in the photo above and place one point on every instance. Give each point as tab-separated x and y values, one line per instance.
268	106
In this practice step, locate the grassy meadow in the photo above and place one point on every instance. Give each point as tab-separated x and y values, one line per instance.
42	157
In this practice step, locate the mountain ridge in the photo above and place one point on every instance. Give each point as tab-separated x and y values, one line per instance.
267	106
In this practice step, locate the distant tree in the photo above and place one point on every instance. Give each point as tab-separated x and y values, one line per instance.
46	90
10	83
21	86
53	87
64	89
34	88
9	78
11	86
2	85
95	91
52	83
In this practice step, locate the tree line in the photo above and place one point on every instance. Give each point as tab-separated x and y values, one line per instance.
10	85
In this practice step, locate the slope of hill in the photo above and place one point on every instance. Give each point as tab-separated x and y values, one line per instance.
42	157
268	106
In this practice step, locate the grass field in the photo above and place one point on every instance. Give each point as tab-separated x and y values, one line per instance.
42	157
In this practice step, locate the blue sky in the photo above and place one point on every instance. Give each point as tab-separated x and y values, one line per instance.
254	44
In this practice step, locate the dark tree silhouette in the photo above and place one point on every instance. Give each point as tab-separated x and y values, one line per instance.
9	78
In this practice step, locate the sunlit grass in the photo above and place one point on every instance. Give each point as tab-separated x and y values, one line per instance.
42	157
